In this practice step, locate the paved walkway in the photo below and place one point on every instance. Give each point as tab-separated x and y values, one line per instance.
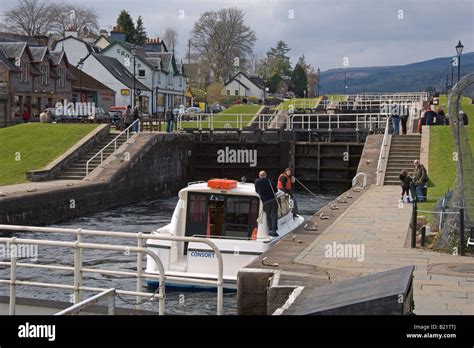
443	284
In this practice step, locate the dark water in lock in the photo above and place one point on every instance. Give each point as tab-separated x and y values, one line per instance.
142	217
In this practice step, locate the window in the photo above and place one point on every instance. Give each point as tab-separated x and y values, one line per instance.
62	77
180	81
141	73
170	79
24	71
44	69
144	103
228	92
159	76
236	92
221	216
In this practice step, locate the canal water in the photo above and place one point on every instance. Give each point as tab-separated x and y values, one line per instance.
142	217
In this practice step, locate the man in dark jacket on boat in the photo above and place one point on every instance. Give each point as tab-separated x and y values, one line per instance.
267	190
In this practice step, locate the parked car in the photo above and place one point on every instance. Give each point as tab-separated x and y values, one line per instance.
117	115
193	110
217	108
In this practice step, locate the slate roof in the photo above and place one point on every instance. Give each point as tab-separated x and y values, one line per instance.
38	53
8	63
86	81
119	71
13	49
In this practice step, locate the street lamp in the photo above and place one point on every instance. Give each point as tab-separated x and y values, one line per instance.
459	48
134	52
264	83
79	66
318	72
345	82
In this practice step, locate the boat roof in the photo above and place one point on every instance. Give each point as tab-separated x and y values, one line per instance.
242	189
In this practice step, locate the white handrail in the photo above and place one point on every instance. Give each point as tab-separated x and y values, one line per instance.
77	308
78	269
382	150
333	120
113	141
364	179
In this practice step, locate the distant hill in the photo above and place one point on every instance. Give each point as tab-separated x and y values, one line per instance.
403	78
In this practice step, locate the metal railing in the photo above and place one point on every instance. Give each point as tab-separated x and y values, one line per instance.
382	153
81	306
364	179
78	269
334	121
218	121
127	131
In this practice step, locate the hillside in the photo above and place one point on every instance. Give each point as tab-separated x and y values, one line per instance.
411	77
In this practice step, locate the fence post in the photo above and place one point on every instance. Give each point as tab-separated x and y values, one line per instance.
13	275
78	268
414	219
139	266
461	231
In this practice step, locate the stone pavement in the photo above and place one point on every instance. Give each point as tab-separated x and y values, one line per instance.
32	187
443	283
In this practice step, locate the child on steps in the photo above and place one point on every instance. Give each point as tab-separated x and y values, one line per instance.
405	181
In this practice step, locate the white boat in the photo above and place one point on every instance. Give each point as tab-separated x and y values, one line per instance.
232	218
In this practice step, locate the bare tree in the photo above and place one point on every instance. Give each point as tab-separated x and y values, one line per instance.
170	37
223	39
74	16
29	17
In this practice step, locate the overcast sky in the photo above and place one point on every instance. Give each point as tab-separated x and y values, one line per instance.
367	32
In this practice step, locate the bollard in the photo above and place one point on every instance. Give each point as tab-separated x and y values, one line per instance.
461	231
413	222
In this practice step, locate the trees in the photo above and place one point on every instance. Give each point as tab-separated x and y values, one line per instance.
140	33
29	17
125	22
223	39
135	34
274	82
67	16
170	37
33	17
300	81
277	59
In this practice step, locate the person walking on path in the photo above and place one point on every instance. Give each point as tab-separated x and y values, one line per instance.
396	124
403	121
128	119
169	118
26	115
285	183
405	182
136	116
420	180
267	189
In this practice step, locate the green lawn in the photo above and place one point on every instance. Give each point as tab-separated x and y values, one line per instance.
297	103
228	118
442	167
33	146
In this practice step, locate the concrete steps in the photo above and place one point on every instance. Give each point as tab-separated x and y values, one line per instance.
77	170
404	149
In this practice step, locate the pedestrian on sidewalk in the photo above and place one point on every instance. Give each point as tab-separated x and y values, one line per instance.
403	121
267	189
26	115
169	118
405	182
128	118
136	116
396	124
419	183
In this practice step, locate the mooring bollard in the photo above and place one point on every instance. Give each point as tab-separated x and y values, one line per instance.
413	222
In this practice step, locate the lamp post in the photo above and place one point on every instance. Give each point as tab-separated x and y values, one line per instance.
446	83
134	52
80	65
318	73
264	83
345	82
459	48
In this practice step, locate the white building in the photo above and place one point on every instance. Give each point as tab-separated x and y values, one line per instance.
245	86
114	75
75	48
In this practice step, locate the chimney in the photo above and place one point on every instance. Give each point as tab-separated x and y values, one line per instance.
153	44
71	32
117	34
